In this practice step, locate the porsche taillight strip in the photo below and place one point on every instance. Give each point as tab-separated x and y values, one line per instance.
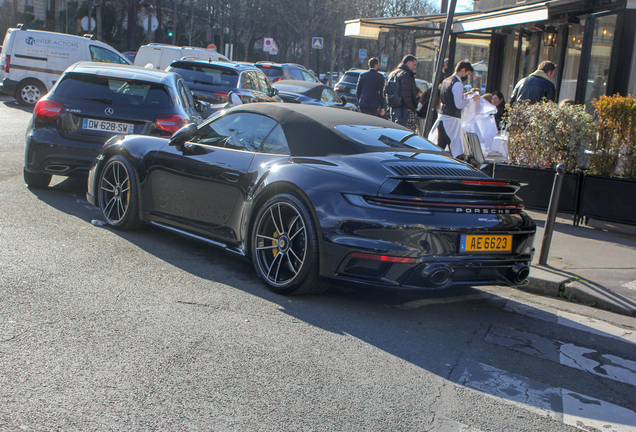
384	258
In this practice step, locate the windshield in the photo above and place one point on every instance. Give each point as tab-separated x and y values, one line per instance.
387	137
206	75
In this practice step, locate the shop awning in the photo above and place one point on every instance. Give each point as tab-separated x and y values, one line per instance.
370	28
502	18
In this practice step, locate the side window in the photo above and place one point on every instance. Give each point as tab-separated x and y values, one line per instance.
99	54
297	74
263	82
247	81
185	95
307	76
240	131
275	143
329	95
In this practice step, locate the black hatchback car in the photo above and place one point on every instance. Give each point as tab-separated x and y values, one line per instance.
92	102
212	82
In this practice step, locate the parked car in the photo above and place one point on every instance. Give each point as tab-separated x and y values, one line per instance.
311	195
283	71
33	60
92	102
213	82
160	56
347	85
130	55
305	92
335	76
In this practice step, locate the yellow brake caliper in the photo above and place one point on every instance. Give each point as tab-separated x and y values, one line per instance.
274	243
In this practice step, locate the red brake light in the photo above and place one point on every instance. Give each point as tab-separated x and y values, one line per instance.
485	182
384	258
47	110
169	124
266	66
278	79
7	63
222	96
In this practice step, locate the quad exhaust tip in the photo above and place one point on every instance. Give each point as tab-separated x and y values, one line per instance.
521	273
437	275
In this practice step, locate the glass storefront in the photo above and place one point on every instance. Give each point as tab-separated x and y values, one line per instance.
567	89
600	58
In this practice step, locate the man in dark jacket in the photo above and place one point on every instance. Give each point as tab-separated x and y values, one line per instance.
408	90
537	85
370	90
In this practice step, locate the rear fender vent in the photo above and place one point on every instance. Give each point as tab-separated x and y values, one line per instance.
406	170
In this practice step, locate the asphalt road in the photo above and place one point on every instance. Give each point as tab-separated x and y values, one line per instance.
147	331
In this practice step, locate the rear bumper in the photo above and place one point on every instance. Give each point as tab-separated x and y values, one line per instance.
428	245
47	152
8	86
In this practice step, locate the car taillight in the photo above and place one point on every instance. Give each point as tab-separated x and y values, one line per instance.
338	87
7	63
222	96
278	79
169	124
47	110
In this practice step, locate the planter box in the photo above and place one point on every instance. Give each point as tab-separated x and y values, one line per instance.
608	198
536	195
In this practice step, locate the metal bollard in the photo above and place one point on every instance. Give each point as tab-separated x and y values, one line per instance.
552	213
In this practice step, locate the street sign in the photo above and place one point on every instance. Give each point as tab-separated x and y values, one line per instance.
316	43
363	55
154	23
85	23
384	61
274	49
267	44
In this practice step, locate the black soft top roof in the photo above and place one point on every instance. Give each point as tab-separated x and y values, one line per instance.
310	130
312	89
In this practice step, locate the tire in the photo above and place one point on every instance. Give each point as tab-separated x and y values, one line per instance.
36	181
29	92
286	261
118	194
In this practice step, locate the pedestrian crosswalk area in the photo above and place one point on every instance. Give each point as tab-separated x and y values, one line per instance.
592	354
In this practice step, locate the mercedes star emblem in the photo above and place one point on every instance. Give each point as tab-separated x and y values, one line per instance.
109	111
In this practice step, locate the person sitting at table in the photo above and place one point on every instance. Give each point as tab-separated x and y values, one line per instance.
498	101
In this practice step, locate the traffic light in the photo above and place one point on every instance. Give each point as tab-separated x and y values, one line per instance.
170	28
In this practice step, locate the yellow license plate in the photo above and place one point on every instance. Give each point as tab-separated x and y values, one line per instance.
486	243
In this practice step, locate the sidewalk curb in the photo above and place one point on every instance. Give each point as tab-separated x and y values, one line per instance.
553	283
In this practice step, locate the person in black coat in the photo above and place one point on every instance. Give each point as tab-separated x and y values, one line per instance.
370	90
537	85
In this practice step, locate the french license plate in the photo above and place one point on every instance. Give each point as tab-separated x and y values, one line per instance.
107	126
486	243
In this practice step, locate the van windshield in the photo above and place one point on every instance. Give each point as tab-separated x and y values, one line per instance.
114	91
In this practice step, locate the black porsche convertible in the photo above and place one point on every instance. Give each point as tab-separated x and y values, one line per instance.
313	195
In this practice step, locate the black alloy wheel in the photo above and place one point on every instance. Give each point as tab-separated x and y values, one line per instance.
285	247
117	194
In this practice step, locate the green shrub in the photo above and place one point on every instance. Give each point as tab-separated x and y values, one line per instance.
614	152
543	135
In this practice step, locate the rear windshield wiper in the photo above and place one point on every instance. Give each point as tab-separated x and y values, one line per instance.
102	100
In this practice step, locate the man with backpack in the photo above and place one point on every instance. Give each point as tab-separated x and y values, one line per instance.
402	95
447	130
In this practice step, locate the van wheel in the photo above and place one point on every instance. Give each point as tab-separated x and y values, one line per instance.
29	92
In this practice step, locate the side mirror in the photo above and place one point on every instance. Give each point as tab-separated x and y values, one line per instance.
201	106
274	91
344	100
180	137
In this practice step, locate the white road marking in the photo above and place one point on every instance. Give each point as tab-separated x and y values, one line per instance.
574	321
630	285
560	404
581	358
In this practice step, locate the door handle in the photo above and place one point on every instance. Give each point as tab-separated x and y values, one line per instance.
230	176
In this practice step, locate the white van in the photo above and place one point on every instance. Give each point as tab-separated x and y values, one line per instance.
159	56
32	60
